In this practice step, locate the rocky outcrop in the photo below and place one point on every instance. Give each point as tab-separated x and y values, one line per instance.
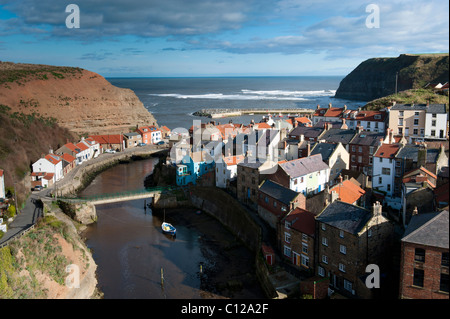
80	100
377	77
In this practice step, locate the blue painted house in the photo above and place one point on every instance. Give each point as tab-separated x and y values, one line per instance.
193	166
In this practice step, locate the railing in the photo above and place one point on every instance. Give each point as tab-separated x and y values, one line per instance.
122	194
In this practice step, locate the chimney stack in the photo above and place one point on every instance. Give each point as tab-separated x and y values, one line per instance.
318	106
308	149
329	105
377	209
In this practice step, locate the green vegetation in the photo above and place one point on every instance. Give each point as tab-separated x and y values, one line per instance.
36	252
416	96
20	73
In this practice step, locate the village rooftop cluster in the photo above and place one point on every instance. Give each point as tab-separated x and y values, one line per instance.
342	189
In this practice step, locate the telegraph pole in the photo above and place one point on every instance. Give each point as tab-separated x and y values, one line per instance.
396	80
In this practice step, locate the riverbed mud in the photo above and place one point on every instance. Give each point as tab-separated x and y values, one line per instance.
229	270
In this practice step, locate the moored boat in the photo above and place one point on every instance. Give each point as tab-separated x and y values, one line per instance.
168	228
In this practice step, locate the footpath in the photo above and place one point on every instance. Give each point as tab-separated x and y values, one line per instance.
33	209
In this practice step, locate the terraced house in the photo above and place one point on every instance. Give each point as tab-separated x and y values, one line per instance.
307	175
350	238
419	121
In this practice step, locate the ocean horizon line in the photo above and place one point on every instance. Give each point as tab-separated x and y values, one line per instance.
223	76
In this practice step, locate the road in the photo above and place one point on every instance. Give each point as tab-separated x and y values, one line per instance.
33	206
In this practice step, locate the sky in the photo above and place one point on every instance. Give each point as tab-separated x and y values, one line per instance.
163	38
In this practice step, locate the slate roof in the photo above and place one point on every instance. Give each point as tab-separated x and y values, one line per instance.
307	132
347	217
367	138
430	229
277	191
302	220
326	149
432	108
305	165
335	135
411	152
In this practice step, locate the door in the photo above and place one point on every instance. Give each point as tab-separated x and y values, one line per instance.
407	131
441	134
296	259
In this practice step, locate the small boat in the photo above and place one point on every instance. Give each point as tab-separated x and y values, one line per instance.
168	228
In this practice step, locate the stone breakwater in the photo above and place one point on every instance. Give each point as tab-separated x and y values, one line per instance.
218	113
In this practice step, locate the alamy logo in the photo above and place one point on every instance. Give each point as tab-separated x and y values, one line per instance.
373	279
73	19
373	19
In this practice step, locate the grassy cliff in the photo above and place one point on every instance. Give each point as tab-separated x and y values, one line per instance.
379	77
24	138
413	96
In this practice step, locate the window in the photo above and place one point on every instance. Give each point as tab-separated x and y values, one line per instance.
444	261
400	121
359	159
370	160
304	248
304	237
400	113
324	241
416	113
415	131
325	259
371	150
343	249
266	199
287	225
400	130
444	283
287	251
433	115
321	271
305	261
419	255
323	226
342	267
418	277
433	123
433	133
416	121
353	148
380	180
353	158
295	181
274	204
287	238
348	285
369	232
341	233
386	171
388	187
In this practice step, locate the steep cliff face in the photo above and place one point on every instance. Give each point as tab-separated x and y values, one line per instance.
80	100
375	78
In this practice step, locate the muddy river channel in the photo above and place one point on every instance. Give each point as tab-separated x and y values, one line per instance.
137	261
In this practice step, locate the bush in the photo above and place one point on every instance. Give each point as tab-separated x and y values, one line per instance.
11	211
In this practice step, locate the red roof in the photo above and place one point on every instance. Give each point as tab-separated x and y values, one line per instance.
370	116
348	192
52	158
302	220
233	160
48	176
387	150
165	128
82	146
147	129
262	126
107	139
72	147
68	158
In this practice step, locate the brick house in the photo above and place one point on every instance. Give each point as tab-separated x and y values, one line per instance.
371	121
424	268
362	148
296	238
348	239
250	174
328	114
276	201
132	139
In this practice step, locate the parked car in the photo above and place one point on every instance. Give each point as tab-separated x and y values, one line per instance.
141	144
38	188
110	151
160	143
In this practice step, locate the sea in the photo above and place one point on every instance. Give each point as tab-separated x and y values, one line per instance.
172	101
